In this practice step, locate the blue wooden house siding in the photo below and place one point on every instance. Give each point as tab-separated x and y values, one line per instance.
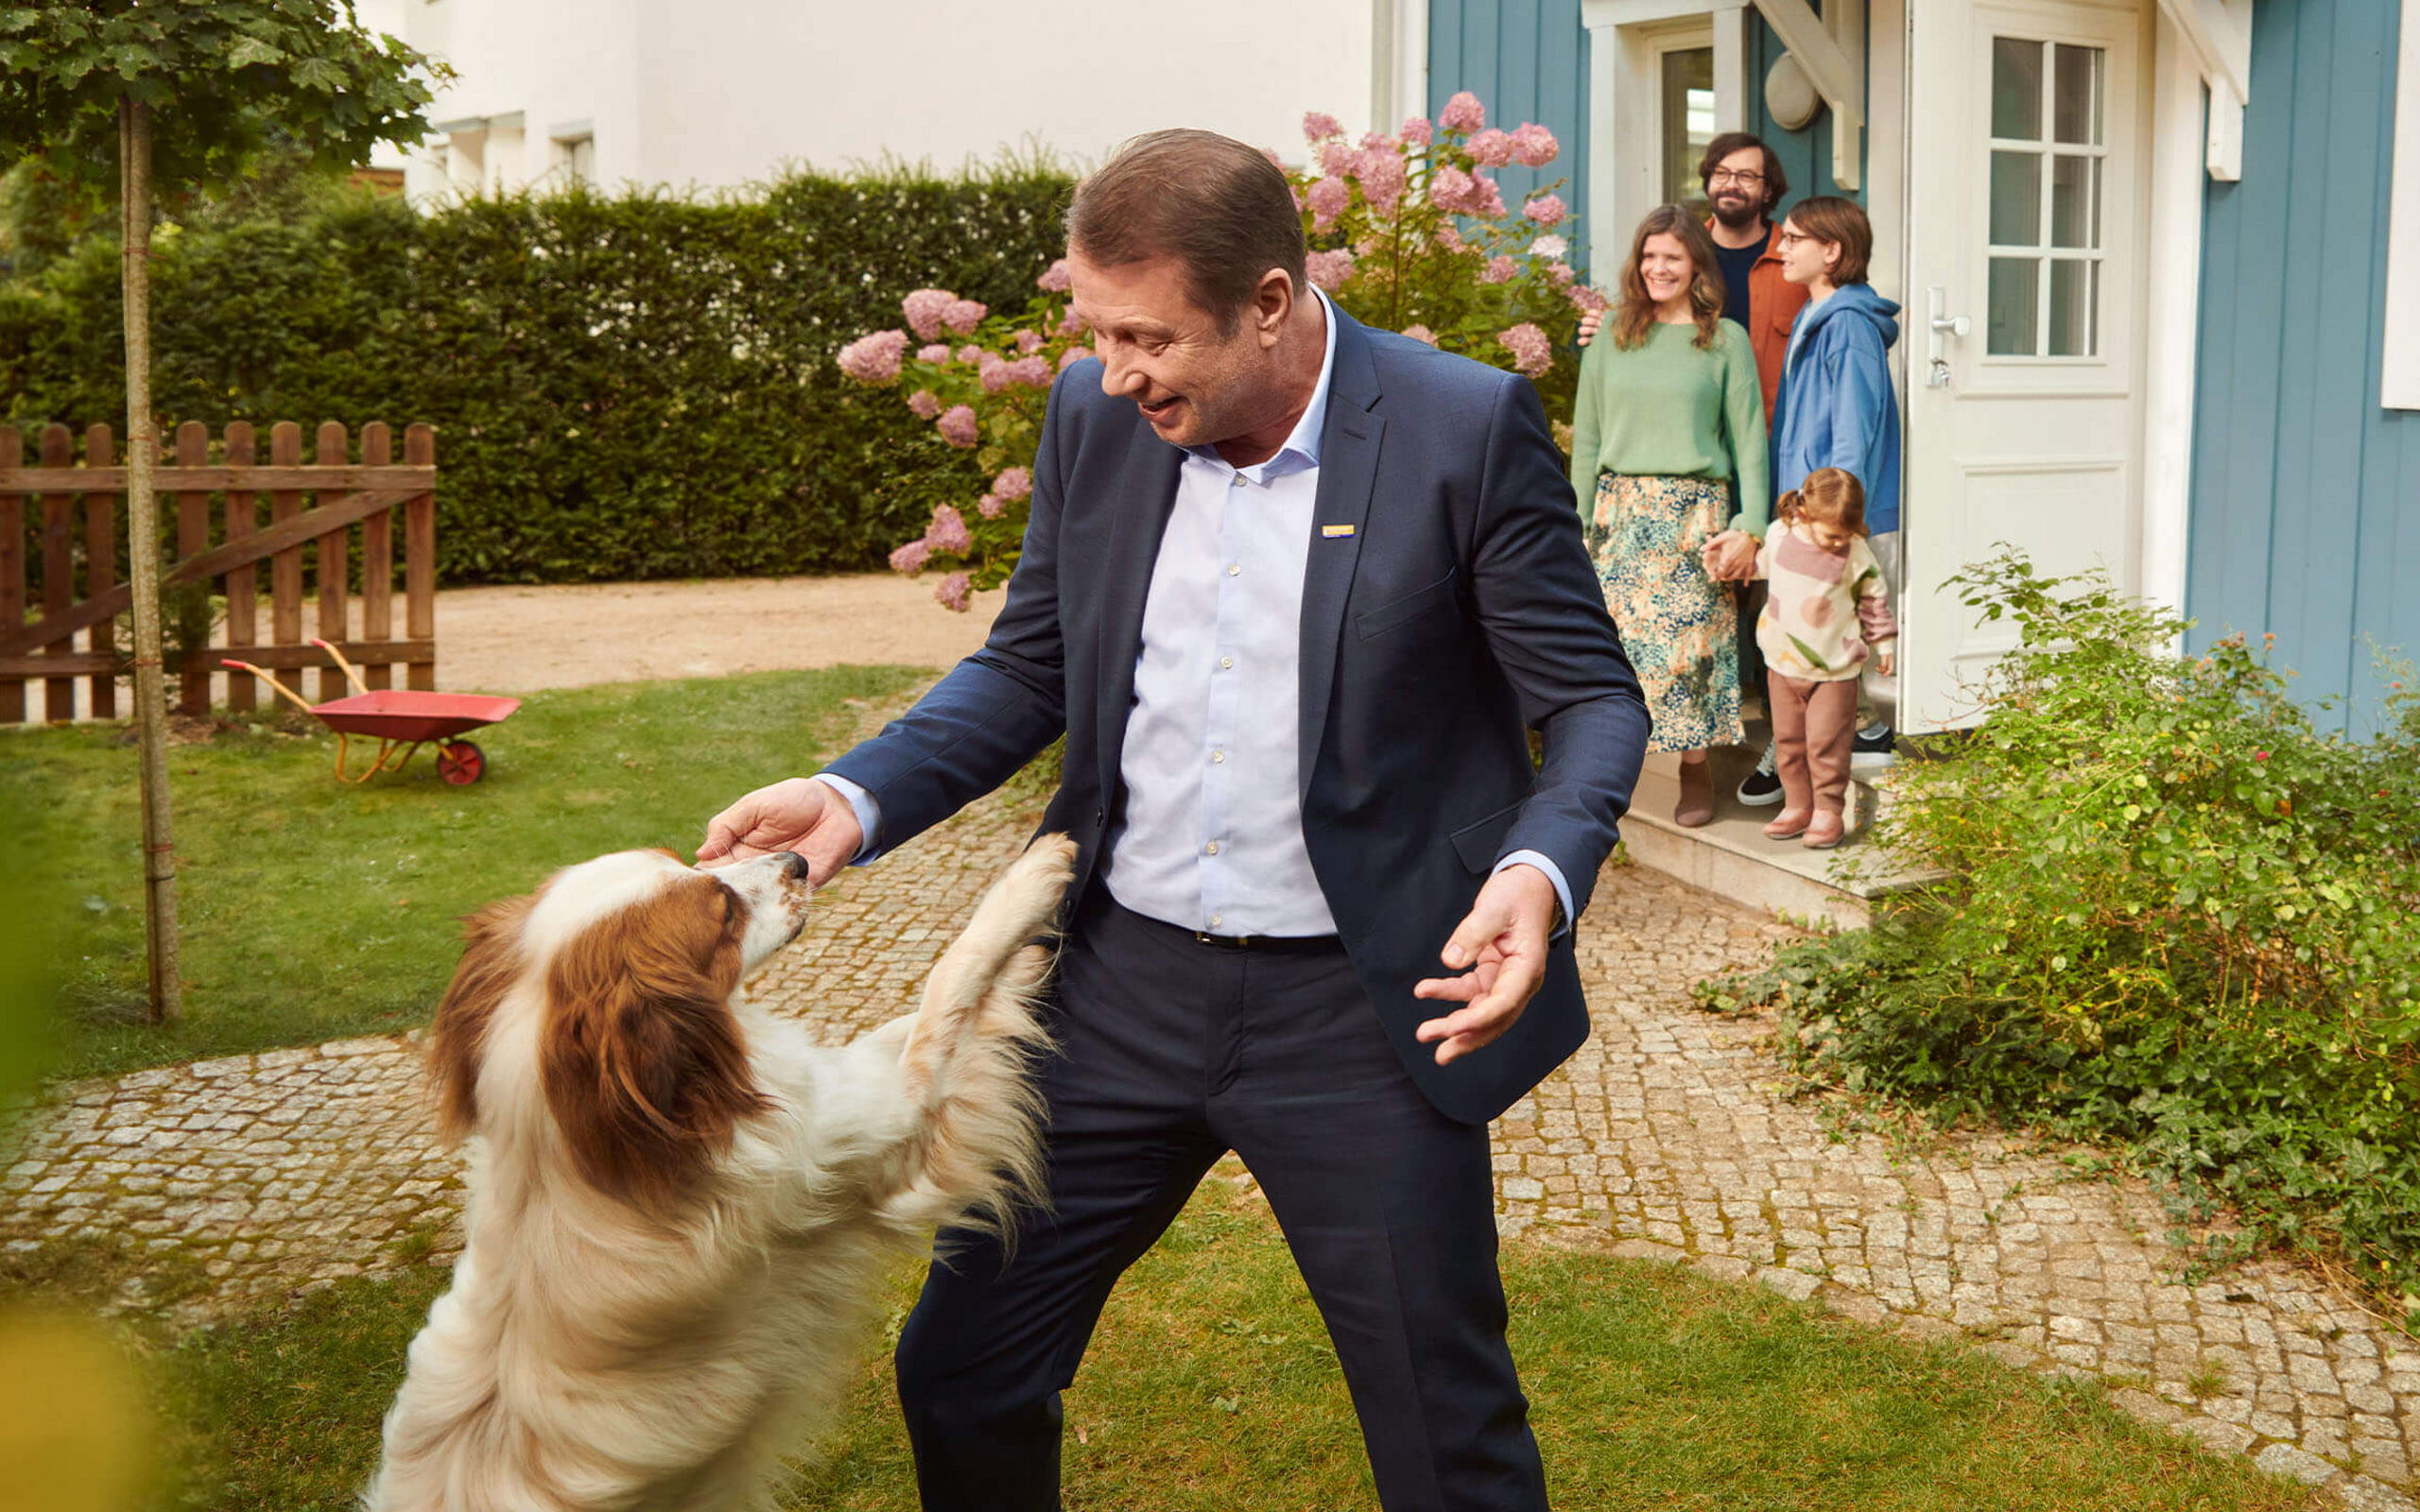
2305	496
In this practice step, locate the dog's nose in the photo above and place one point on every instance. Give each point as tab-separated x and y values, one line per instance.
794	863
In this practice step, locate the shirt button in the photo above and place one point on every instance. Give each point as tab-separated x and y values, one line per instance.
1216	920
1227	662
1210	850
1235	569
1218	756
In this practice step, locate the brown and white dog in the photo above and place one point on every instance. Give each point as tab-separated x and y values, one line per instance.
680	1209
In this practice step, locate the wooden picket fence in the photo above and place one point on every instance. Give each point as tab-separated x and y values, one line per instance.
81	591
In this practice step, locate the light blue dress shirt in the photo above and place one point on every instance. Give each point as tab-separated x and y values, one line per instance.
1210	837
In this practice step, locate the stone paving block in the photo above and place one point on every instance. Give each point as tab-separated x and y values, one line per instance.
2285	1459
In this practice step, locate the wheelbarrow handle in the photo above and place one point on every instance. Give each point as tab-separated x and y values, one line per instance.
337	656
269	677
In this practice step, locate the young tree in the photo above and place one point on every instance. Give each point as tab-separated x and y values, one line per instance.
174	95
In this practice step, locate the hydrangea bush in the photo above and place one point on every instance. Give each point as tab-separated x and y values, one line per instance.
1408	232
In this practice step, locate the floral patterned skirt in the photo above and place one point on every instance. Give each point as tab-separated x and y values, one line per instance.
1680	627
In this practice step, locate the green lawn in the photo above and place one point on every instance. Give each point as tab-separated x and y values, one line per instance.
1210	1387
312	910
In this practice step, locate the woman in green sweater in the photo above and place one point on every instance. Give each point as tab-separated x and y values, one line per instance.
1667	450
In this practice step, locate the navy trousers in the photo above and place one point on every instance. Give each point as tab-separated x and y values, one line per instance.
1173	1052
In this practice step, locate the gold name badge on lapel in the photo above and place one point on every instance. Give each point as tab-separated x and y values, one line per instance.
1333	531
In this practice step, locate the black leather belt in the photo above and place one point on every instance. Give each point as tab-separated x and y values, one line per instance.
1289	944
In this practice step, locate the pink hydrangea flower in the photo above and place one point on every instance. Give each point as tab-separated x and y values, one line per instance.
937	353
957	426
1548	247
1070	323
1491	147
874	359
1447	237
1317	126
1419	130
990	505
1012	483
1586	300
1534	145
924	403
1561	273
972	354
1330	269
1335	158
1532	353
1381	172
952	593
1464	113
1033	371
1054	278
1547	209
992	371
1498	270
1448	187
910	559
1421	333
1486	198
964	314
1327	200
1072	356
926	308
948	532
1029	341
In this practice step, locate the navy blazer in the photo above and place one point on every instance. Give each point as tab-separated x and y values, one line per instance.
1458	608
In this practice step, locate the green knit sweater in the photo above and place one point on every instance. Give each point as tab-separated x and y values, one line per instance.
1665	408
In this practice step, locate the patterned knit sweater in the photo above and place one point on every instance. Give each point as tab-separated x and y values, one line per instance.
1823	614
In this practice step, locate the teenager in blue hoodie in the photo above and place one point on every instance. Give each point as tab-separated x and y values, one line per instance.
1836	407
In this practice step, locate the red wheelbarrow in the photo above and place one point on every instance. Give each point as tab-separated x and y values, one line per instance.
402	720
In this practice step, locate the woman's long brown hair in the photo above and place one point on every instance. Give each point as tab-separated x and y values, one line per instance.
1635	316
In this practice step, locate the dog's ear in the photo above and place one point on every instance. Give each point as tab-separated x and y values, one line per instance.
491	961
642	1062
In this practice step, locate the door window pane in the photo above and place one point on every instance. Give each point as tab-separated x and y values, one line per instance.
1688	122
2016	89
2075	107
2016	198
2075	202
2073	285
2011	329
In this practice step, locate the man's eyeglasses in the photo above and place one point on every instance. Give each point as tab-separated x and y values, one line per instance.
1745	181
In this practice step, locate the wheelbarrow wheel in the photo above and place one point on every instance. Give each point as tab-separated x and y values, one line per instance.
461	763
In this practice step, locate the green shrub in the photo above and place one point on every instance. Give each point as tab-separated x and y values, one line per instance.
2174	913
625	387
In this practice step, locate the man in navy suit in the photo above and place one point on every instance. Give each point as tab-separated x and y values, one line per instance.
1293	589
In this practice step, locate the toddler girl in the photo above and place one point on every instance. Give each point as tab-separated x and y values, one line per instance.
1827	611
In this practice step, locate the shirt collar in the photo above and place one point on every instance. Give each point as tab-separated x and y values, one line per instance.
1302	449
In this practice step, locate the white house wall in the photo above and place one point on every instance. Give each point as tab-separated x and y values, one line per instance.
716	93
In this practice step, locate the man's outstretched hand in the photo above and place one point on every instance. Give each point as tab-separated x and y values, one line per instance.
799	815
1504	944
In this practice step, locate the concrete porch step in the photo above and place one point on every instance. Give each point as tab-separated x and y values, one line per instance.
1733	859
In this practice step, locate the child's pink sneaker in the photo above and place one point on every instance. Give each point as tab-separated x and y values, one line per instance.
1824	831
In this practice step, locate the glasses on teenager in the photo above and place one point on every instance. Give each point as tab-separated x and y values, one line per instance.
1791	238
1745	181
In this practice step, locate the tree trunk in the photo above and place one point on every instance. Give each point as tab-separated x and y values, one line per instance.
143	556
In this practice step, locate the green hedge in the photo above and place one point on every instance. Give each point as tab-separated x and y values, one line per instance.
627	386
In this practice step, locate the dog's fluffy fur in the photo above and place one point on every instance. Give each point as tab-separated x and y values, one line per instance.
680	1209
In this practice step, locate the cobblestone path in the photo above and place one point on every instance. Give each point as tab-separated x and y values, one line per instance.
1668	1136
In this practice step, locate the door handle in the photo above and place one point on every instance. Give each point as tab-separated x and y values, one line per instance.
1941	326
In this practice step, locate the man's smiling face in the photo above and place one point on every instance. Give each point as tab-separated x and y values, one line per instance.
1196	385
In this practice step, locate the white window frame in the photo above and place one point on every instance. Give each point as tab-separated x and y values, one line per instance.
1627	40
2400	373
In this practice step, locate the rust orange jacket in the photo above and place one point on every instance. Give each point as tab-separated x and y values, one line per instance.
1774	304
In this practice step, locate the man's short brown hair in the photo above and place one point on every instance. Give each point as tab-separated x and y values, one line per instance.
1830	218
1221	209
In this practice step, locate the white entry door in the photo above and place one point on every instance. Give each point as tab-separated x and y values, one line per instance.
2025	312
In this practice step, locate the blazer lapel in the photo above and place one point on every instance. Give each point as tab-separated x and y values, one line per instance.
1142	497
1348	473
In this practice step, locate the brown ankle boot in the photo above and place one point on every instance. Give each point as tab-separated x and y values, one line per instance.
1697	795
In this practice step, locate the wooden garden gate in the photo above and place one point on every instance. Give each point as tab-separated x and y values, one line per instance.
82	595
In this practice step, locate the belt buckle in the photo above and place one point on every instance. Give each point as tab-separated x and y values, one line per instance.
1233	943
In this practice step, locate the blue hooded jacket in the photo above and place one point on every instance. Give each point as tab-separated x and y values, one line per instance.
1836	407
